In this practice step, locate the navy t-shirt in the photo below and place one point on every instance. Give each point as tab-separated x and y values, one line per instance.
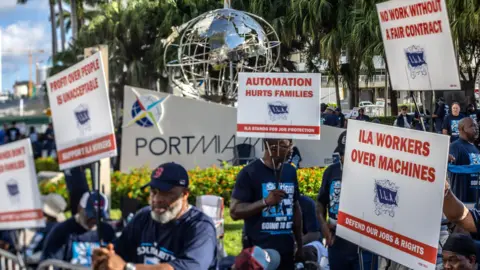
187	243
450	123
465	153
295	157
273	227
329	195
309	216
474	115
70	242
331	120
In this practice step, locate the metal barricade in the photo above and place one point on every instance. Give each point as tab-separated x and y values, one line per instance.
57	264
9	261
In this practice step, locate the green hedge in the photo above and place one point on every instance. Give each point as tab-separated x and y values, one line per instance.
213	181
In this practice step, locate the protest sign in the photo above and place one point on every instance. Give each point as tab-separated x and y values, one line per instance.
21	205
279	105
81	114
415	33
392	192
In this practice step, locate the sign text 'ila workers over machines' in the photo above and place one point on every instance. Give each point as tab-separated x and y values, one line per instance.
392	192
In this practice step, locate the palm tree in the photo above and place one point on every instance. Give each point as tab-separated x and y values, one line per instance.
61	24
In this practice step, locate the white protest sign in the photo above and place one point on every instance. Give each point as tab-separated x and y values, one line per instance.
415	34
21	205
81	114
392	192
279	105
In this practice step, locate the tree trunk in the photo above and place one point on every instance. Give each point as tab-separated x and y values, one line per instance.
54	28
337	91
62	25
74	19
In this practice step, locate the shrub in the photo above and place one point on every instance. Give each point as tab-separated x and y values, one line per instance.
46	164
386	120
210	181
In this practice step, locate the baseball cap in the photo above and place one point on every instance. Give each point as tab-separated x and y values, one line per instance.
461	244
54	205
256	258
90	203
167	176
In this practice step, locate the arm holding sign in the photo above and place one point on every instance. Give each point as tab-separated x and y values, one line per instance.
456	212
297	223
323	200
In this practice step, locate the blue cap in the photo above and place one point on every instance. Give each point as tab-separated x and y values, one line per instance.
90	201
167	176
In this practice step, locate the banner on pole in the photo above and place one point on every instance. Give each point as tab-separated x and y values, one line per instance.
279	105
415	33
81	114
392	192
21	205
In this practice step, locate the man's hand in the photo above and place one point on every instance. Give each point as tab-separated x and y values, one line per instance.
327	234
4	245
451	158
106	259
275	197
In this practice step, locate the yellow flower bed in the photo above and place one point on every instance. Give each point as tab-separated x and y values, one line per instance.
214	180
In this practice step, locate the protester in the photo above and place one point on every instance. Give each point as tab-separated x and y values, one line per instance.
330	118
53	207
464	152
459	253
34	140
313	248
169	233
49	139
341	118
441	110
472	112
257	258
13	133
3	134
450	123
362	116
295	157
342	254
404	120
265	196
74	239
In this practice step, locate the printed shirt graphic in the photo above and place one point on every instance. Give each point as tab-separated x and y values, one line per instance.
278	219
82	253
334	195
272	228
186	243
463	186
451	125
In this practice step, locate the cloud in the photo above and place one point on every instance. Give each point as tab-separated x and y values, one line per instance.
8	4
21	37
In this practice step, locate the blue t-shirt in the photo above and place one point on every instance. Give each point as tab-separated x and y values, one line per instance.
70	242
295	157
450	123
331	120
2	136
273	227
187	243
329	195
36	244
476	219
309	216
465	153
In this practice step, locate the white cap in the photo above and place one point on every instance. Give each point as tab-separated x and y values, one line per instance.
54	205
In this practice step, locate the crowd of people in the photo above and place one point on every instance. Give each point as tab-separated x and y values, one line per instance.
42	143
283	229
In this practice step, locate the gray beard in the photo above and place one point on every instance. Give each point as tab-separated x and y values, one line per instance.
169	215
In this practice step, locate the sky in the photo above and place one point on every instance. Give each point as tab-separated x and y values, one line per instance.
24	27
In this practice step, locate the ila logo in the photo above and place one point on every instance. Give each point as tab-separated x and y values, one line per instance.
416	61
278	110
82	115
386	197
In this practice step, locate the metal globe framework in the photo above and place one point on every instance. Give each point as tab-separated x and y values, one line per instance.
214	47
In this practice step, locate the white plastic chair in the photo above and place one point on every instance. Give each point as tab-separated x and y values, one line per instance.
213	206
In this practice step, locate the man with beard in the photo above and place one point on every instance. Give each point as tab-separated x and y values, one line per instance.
266	196
169	234
464	152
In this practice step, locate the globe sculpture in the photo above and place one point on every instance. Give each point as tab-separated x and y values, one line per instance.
210	50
